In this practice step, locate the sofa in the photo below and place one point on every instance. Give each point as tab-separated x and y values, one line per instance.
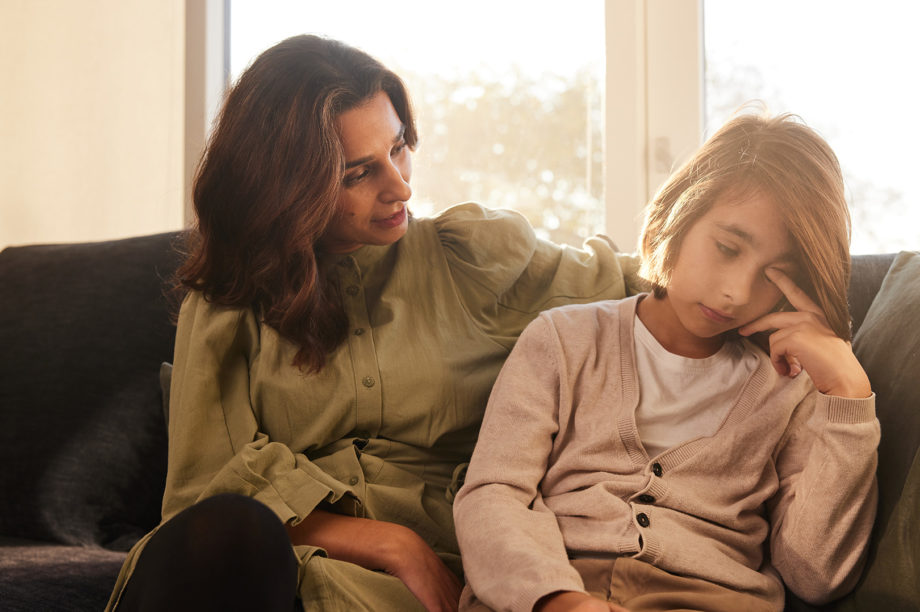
84	329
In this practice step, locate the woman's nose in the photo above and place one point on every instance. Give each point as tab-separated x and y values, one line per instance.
397	188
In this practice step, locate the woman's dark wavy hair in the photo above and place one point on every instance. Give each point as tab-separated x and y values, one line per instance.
268	184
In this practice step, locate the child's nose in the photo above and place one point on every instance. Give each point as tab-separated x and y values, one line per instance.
739	287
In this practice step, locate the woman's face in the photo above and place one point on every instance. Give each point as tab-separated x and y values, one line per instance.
372	204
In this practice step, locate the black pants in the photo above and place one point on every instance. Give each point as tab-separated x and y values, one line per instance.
228	552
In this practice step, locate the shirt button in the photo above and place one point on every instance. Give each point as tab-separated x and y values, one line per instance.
359	331
368	381
642	519
656	470
352	290
646	499
354	480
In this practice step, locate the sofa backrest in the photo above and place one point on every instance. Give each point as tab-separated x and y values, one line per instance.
84	328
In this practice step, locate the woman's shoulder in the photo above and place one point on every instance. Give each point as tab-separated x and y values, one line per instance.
481	247
201	315
472	231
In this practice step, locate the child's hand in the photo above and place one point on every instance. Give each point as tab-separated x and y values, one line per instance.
803	340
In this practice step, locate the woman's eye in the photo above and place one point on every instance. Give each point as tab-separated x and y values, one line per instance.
726	250
354	179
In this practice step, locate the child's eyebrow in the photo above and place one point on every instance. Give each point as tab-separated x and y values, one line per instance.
745	236
737	231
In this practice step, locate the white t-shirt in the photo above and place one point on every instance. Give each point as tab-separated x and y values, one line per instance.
681	398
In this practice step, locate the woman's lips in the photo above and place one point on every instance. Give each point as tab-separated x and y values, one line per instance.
715	315
393	220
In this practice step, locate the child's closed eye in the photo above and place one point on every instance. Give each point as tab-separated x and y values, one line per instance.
726	250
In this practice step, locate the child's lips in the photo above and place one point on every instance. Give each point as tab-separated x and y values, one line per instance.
716	315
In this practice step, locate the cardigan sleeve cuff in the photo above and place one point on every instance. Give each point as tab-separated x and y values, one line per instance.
528	597
847	410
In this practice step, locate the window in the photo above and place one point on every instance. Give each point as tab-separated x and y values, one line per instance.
575	113
849	70
508	96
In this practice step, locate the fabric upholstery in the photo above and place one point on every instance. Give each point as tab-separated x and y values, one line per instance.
35	576
888	347
84	329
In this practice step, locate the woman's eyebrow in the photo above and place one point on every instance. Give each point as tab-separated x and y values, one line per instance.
363	160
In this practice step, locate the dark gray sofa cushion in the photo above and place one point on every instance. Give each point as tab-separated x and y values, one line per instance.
888	346
36	576
84	329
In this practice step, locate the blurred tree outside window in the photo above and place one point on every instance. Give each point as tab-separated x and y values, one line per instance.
508	95
849	69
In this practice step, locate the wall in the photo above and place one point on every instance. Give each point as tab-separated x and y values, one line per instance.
91	119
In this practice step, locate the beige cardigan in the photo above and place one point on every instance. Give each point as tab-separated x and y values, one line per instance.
785	488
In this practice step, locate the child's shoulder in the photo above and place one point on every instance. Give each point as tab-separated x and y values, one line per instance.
603	312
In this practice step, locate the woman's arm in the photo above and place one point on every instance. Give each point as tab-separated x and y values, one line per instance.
216	446
388	547
506	276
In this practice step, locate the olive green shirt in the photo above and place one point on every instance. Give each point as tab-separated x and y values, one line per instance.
385	429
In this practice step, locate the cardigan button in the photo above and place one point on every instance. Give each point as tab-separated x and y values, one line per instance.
353	480
368	381
352	290
656	470
643	520
646	499
359	331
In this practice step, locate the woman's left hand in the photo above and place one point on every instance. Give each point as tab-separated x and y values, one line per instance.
803	340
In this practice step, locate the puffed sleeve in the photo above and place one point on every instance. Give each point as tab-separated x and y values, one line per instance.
506	275
215	443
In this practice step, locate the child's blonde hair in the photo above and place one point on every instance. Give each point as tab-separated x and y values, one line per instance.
781	158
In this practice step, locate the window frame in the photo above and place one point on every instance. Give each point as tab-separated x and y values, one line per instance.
654	106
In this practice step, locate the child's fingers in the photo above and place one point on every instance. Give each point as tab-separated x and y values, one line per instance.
796	296
785	361
776	320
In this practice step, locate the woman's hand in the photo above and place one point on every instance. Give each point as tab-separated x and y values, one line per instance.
423	572
803	340
574	601
388	547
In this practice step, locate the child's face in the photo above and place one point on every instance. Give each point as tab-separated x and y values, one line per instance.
718	282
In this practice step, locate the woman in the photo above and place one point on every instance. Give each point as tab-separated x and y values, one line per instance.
334	355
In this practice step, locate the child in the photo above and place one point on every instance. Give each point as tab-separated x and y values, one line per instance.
645	453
